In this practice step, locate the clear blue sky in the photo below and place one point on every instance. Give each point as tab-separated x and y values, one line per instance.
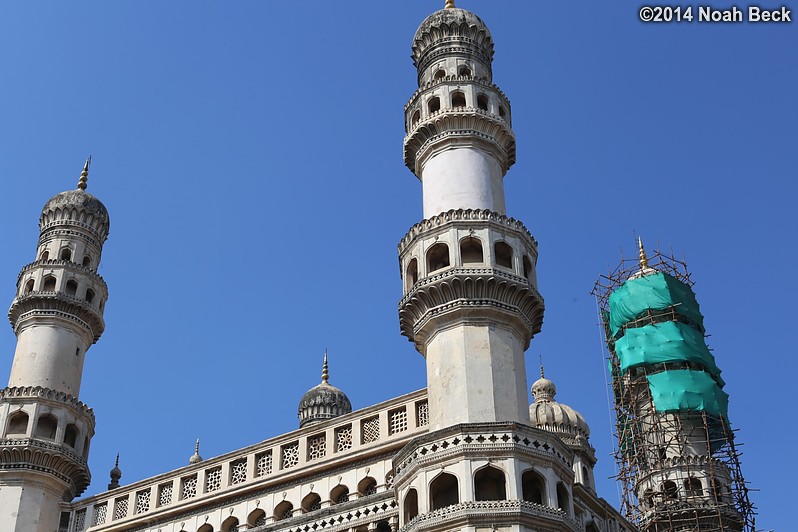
250	156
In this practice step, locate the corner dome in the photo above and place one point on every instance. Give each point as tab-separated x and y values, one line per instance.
322	402
448	23
547	414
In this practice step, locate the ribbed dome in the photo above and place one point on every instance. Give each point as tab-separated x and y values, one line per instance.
323	401
80	200
547	414
449	23
77	207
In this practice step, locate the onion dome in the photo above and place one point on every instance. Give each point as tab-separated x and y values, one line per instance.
547	414
195	458
77	207
323	401
116	474
454	28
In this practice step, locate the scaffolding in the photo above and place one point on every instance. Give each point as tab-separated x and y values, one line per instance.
678	464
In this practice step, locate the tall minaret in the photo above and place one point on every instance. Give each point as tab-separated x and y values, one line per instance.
57	315
471	303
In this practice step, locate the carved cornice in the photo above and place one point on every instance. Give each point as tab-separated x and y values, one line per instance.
57	460
56	305
439	221
52	232
457	80
16	394
459	124
68	264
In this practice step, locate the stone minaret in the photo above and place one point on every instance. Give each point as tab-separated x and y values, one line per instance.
470	302
57	315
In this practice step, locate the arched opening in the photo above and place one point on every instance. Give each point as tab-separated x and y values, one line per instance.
440	74
367	486
284	510
482	102
717	490
504	254
563	499
533	486
412	273
670	490
46	427
66	254
71	287
71	435
339	494
471	251
434	105
489	484
86	442
585	472
87	261
693	487
49	284
416	118
527	268
502	113
256	518
205	528
648	498
410	506
45	255
437	257
464	71
443	491
458	99
90	295
29	286
383	526
311	502
17	424
230	524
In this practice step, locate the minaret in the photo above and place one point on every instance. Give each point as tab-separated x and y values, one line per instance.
470	304
57	315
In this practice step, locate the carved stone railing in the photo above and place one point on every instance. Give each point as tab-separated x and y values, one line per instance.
490	512
58	460
47	302
37	392
63	263
457	79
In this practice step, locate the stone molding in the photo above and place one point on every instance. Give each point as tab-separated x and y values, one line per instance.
11	394
459	39
56	305
52	233
51	218
692	514
488	513
74	266
448	125
457	80
33	454
439	221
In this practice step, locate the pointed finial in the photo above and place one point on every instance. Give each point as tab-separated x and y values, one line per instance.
116	474
84	175
542	375
642	254
325	372
449	4
195	458
116	464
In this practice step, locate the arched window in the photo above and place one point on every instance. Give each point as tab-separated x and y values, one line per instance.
416	118
563	500
434	105
46	427
504	254
489	485
367	486
284	510
670	490
693	487
471	250
443	491
464	71
205	528
458	99
533	486
29	286
66	254
412	273
437	257
230	524
90	295
46	255
71	287
256	518
383	526
410	506
527	268
49	284
71	435
585	472
482	102
501	111
311	502
440	74
17	424
87	261
339	494
86	442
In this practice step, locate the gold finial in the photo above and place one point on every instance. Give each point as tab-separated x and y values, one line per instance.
642	254
449	4
325	373
84	175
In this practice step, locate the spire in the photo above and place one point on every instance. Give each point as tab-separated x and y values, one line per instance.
116	474
642	254
542	375
449	4
84	175
325	373
195	458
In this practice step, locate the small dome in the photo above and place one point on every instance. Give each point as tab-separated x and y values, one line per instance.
323	401
195	458
451	22
77	206
115	474
547	414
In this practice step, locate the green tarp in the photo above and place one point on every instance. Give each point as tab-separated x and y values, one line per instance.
683	390
668	341
657	291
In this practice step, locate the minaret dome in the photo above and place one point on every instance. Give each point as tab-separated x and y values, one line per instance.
324	401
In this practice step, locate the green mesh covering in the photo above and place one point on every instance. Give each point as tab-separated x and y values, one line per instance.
682	390
656	291
668	341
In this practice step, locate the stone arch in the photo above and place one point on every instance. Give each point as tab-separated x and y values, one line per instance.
48	285
444	491
471	250
339	494
410	506
670	490
29	286
383	526
90	295
533	486
503	254
17	424
65	254
433	105
416	118
411	274
464	70
86	261
71	435
563	498
284	510
585	476
439	74
256	517
71	287
458	99
502	112
438	257
45	255
482	101
367	486
46	427
490	484
230	524
527	268
693	487
311	502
